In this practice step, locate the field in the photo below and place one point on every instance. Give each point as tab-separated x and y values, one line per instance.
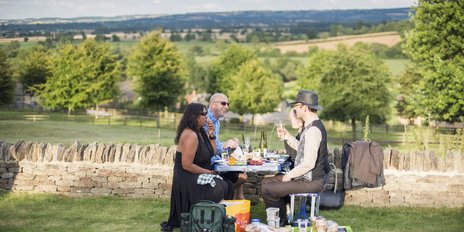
388	38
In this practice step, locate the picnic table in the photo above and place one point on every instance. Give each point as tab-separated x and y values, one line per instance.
270	167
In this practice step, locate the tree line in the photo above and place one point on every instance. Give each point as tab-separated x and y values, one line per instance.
353	82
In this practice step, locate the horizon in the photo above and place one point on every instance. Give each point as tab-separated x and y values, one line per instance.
22	9
206	12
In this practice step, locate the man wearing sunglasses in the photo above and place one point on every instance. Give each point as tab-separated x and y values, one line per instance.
218	107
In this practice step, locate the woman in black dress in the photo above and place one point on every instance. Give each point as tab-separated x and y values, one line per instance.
193	157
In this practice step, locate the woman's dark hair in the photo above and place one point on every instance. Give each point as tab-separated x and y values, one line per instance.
189	119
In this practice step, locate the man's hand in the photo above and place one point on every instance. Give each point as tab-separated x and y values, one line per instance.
231	143
285	178
210	127
282	133
214	158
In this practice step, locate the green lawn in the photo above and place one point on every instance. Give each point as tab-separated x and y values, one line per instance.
85	129
43	212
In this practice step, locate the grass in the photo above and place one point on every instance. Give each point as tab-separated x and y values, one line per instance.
45	212
85	129
67	132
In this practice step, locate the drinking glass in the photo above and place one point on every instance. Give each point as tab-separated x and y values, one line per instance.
247	144
279	127
225	155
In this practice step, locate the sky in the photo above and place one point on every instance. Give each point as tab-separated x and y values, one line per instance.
21	9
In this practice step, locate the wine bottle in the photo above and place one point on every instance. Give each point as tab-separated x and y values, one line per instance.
265	146
260	147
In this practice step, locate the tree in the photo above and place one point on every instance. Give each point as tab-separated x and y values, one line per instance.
33	67
81	76
197	78
115	38
7	85
156	65
352	84
436	46
406	81
256	90
225	66
11	49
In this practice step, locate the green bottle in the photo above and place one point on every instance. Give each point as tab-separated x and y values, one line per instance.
261	142
265	146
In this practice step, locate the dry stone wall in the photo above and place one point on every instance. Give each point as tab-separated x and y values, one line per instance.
146	171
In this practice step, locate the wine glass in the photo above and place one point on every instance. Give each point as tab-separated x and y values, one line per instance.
247	144
279	127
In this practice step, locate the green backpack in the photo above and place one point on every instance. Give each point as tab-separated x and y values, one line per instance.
207	216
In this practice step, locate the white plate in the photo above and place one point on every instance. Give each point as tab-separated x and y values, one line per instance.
221	161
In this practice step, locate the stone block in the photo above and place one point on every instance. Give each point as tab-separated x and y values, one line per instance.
7	175
104	172
64	183
116	153
3	170
64	189
397	198
420	199
71	177
380	198
40	178
111	185
24	182
456	188
143	179
386	157
115	179
166	186
45	188
150	185
144	191
100	190
130	185
159	191
76	189
23	188
356	197
22	176
168	155
14	170
84	182
89	152
54	178
99	155
122	191
394	159
99	179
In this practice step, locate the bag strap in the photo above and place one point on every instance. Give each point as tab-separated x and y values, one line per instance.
336	179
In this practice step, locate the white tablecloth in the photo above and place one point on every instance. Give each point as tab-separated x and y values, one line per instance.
272	167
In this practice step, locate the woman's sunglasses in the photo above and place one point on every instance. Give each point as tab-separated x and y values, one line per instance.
203	113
